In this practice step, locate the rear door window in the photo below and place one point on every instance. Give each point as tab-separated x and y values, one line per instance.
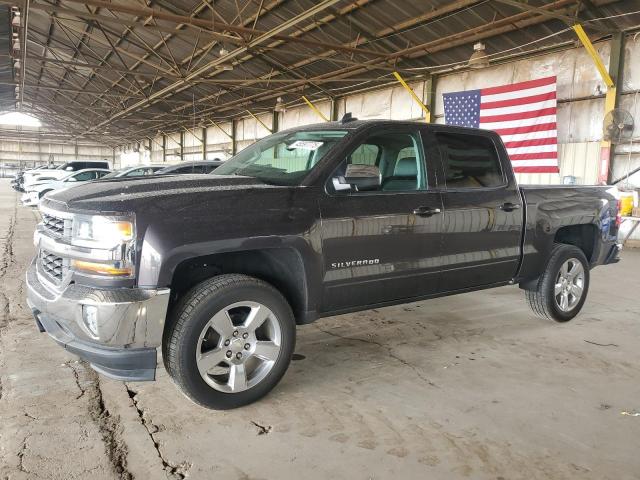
469	161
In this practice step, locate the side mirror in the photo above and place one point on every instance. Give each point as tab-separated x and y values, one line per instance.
69	169
360	178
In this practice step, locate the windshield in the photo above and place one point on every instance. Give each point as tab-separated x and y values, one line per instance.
282	158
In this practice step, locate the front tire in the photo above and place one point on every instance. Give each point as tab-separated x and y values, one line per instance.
562	289
230	341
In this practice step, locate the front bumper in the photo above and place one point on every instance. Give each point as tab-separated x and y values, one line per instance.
128	325
30	199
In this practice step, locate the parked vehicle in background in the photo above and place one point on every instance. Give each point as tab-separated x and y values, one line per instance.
137	171
62	171
44	185
201	166
306	223
18	180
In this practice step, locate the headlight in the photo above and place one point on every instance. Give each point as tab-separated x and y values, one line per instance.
110	242
101	232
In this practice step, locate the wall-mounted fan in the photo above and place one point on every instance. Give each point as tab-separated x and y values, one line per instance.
617	126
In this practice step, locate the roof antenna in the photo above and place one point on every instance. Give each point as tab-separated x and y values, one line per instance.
347	117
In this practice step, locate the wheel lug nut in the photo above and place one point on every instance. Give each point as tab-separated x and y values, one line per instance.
245	335
227	342
247	346
235	333
238	355
229	354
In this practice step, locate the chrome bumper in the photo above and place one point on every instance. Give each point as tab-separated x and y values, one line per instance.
128	324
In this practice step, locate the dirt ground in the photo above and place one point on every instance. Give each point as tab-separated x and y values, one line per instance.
471	386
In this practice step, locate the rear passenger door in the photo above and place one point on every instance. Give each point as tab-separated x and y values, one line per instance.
383	245
482	211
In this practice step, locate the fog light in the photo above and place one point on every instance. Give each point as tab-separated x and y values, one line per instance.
90	318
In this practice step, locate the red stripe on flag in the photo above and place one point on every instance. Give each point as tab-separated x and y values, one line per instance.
513	102
532	142
517	116
536	169
518	86
528	129
534	156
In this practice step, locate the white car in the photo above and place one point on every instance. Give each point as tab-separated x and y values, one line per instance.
42	186
137	171
33	176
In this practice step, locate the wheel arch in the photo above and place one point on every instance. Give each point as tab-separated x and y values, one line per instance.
584	236
282	267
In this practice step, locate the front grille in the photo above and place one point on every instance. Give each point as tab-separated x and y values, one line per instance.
55	225
53	265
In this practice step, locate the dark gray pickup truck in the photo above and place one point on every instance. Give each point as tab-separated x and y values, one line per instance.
216	270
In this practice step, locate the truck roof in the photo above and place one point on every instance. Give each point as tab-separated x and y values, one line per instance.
357	124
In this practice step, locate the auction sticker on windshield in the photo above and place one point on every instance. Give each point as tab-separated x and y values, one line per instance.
305	145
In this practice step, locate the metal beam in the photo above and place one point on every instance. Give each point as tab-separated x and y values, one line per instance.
315	109
205	68
418	100
570	21
260	121
162	15
584	38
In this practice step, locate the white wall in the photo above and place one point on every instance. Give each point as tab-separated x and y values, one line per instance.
16	154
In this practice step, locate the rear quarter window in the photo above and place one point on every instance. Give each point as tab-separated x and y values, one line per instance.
469	161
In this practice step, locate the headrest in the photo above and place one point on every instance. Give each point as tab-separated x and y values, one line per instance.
406	167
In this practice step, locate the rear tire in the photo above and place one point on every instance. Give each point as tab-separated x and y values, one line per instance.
229	341
562	289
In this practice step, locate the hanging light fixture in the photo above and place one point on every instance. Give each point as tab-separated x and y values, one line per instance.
226	64
280	106
479	58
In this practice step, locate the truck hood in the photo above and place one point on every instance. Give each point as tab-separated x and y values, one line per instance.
135	193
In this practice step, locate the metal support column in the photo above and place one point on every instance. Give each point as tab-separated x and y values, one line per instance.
429	95
182	146
234	147
616	72
334	109
164	148
204	143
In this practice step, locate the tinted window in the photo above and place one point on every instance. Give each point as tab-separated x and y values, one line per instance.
398	157
83	177
95	165
469	161
138	172
189	169
101	174
365	154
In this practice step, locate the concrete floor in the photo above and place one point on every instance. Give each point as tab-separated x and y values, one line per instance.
472	386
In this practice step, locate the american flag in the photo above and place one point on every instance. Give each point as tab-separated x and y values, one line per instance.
523	114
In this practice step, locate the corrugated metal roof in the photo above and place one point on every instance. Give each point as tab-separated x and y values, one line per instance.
111	72
7	95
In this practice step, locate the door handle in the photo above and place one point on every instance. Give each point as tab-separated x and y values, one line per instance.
509	207
426	211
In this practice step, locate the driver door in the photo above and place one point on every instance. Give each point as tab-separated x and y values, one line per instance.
383	245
